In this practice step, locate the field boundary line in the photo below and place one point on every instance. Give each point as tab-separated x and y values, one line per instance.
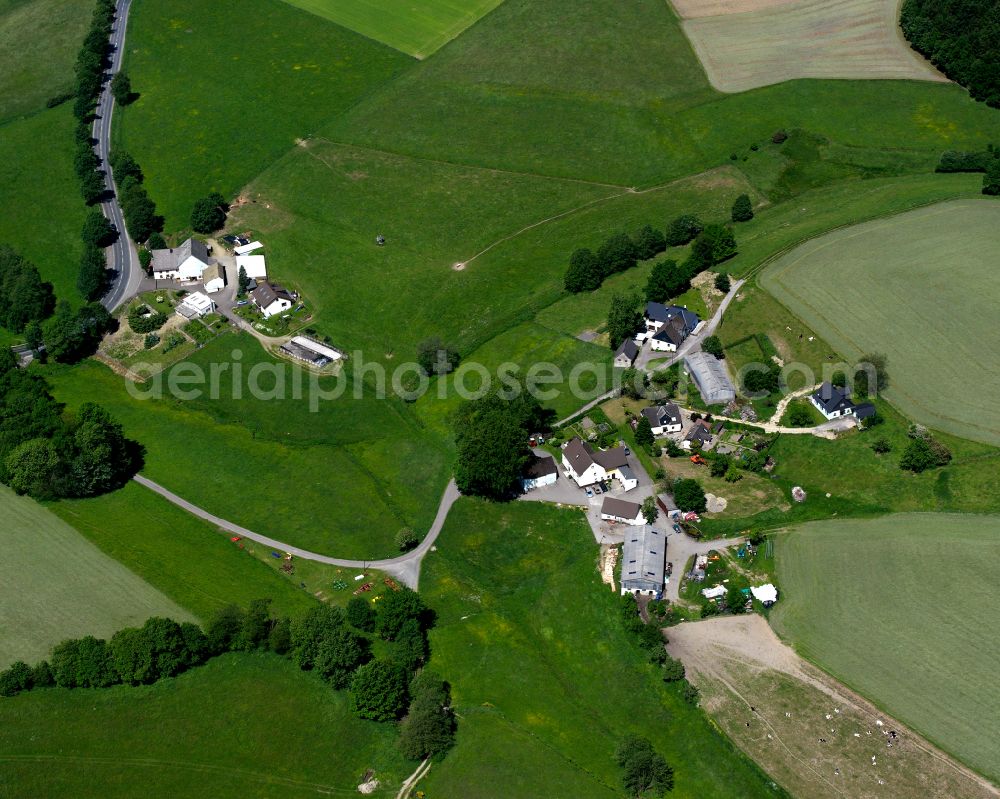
473	167
754	271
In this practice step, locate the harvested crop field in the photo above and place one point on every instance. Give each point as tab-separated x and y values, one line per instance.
813	736
744	44
921	287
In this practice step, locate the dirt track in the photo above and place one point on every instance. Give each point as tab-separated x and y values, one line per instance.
812	734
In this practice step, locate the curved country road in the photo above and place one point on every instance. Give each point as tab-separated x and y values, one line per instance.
404	568
124	257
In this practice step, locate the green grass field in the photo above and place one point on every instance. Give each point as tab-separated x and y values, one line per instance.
920	287
56	585
544	681
611	91
226	89
187	559
415	29
341	481
43	211
39	40
898	608
242	725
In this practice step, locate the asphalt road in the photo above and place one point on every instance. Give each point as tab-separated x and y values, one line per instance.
124	257
405	568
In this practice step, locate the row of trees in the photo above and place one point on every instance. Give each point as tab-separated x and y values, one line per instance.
492	437
961	38
48	453
331	642
97	231
986	161
588	269
26	306
712	245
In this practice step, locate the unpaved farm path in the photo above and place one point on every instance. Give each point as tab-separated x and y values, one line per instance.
811	733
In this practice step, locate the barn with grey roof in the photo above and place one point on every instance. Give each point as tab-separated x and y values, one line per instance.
711	377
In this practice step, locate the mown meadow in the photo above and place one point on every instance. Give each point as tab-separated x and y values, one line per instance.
57	585
894	608
545	681
242	724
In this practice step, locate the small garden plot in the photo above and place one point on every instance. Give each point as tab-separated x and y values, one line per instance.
746	44
735	568
197	330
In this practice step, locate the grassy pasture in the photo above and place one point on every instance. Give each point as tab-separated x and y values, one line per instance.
274	466
920	287
42	209
612	92
894	607
57	585
418	30
226	88
320	207
187	559
242	725
543	679
39	40
743	46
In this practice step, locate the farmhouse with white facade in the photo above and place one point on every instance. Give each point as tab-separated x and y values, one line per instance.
270	300
620	510
835	402
186	262
668	326
663	419
586	466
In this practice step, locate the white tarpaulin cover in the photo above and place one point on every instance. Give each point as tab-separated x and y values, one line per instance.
767	593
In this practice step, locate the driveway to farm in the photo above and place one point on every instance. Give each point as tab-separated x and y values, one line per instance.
124	258
404	568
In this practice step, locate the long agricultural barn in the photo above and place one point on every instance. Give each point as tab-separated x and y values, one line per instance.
711	378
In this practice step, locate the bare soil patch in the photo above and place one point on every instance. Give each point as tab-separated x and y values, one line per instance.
812	734
744	44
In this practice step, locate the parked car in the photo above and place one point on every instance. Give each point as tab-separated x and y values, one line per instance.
597	489
589	492
628	451
604	486
678	528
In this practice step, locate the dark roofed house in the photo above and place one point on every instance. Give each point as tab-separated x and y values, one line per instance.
541	471
674	322
270	299
611	458
834	402
701	432
663	419
626	354
644	558
864	410
587	467
620	510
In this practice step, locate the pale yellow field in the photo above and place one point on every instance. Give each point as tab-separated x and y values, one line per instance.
744	44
